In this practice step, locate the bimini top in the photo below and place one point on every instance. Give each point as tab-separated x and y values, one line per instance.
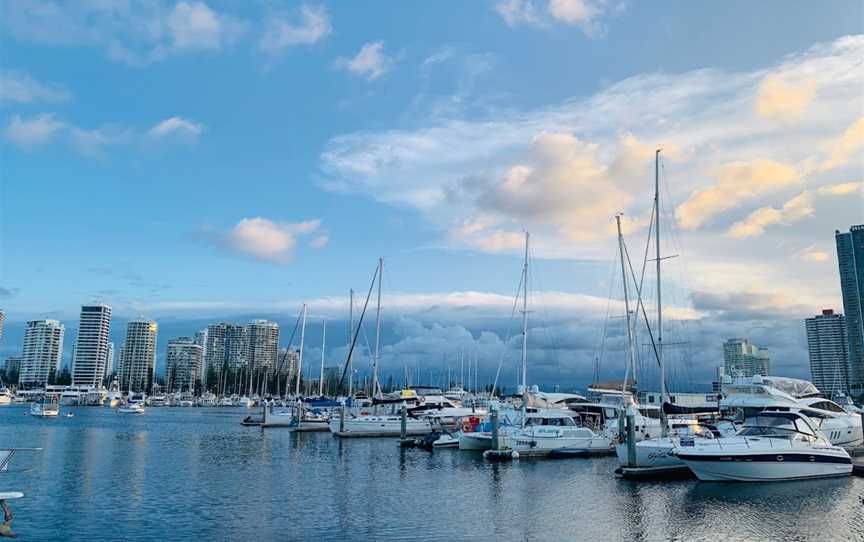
795	387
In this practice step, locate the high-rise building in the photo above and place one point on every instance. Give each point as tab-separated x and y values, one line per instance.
262	345
13	366
139	356
850	257
829	352
43	348
109	360
183	363
91	349
741	358
225	348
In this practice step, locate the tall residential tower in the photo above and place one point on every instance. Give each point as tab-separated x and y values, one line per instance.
43	348
828	349
850	257
138	362
741	358
91	349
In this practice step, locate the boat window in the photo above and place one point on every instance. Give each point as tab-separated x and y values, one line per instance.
828	405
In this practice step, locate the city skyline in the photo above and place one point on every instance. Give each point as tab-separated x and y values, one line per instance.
260	170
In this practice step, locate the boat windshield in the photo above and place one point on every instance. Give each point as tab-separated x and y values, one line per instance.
558	422
777	427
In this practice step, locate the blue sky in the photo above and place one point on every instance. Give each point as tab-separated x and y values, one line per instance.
206	160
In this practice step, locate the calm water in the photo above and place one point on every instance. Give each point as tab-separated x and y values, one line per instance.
184	474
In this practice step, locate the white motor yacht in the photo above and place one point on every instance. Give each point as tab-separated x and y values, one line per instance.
772	446
5	396
131	408
750	396
48	408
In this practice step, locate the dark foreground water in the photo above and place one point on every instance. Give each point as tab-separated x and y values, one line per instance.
196	474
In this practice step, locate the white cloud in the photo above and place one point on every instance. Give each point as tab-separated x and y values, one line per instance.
543	13
33	131
136	33
177	127
846	146
797	208
781	100
500	173
268	240
320	242
22	88
841	189
370	62
29	132
308	26
814	254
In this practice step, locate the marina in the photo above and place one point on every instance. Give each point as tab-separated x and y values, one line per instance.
180	474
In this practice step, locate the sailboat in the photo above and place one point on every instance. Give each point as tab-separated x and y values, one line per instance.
387	425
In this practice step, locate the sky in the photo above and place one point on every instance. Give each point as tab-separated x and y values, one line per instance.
196	161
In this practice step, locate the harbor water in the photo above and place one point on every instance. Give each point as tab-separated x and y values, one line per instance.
196	473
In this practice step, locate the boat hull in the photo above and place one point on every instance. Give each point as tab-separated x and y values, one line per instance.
379	426
650	453
767	467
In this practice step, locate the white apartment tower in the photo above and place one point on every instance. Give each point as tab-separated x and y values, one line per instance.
742	358
183	363
91	349
262	345
138	362
43	349
225	348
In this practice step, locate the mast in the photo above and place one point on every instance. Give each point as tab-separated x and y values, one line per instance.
300	356
377	331
525	332
323	346
631	348
663	392
350	341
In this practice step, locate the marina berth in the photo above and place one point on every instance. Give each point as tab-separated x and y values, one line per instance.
773	446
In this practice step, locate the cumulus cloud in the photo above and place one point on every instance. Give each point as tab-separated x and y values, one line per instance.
29	132
21	88
780	100
370	62
841	189
814	254
737	183
137	33
844	147
177	127
544	13
268	240
480	179
305	27
797	208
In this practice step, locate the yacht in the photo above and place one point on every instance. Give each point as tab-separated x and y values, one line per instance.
551	431
131	408
772	446
746	397
47	408
388	425
5	396
157	400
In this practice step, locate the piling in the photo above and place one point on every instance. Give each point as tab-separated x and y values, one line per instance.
631	436
496	439
342	419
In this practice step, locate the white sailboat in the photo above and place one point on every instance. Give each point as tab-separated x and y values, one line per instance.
46	408
388	425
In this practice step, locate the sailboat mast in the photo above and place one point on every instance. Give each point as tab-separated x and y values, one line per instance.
323	347
525	332
300	356
350	341
631	365
663	391
377	330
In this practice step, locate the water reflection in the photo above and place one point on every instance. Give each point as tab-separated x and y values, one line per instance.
187	474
